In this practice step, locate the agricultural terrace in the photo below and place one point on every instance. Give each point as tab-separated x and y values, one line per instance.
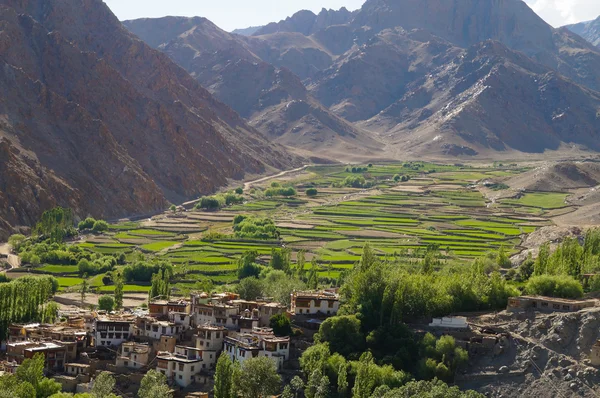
400	209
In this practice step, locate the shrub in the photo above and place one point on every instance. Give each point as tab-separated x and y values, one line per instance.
397	178
88	223
239	191
312	192
281	325
100	226
554	286
106	303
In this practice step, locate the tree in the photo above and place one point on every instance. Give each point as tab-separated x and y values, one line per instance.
397	178
223	377
239	191
280	260
16	241
562	286
281	325
342	380
343	333
154	385
103	386
312	192
250	288
258	378
31	371
300	263
119	292
84	288
502	258
297	385
106	303
365	380
86	224
173	208
100	226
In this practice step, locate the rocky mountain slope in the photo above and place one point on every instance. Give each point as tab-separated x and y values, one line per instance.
589	30
426	77
272	98
94	119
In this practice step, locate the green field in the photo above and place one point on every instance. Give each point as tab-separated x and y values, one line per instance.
440	206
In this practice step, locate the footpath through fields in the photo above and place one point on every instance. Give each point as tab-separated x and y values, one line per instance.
12	260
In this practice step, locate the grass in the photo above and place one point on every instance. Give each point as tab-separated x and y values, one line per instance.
540	200
448	211
158	246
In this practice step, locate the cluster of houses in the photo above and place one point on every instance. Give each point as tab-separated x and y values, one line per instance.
180	338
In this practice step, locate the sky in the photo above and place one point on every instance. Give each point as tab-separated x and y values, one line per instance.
232	14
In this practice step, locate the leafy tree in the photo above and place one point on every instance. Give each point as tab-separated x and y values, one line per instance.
86	224
430	389
365	381
342	380
554	286
246	265
280	259
343	333
281	325
100	226
287	392
250	288
300	263
103	386
502	258
257	378
119	292
56	224
397	178
239	191
297	385
16	241
312	192
31	372
173	208
161	286
223	377
154	385
84	288
106	303
315	357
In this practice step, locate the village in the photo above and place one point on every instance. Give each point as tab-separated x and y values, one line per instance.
183	339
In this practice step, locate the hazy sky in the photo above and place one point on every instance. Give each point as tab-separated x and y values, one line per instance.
232	14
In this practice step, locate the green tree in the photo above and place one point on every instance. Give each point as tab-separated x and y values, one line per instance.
250	288
343	333
154	385
88	223
312	192
365	382
119	292
103	386
106	303
280	260
257	378
100	226
342	380
562	286
502	258
297	385
31	372
281	325
16	241
223	377
84	288
239	191
300	263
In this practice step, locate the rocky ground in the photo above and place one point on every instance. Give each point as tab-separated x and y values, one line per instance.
547	355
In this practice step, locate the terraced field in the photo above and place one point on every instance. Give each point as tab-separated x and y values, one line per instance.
439	205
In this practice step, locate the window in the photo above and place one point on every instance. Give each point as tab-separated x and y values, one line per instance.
218	335
180	377
566	307
192	368
181	367
126	363
556	306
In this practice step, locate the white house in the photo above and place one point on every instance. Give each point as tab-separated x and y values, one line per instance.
182	366
315	302
260	343
112	332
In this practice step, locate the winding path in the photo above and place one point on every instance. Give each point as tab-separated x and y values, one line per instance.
249	184
13	260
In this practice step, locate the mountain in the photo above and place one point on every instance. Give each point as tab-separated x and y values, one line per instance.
424	77
588	30
94	119
249	31
272	98
307	22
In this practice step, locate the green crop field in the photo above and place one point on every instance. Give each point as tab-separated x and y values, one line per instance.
440	206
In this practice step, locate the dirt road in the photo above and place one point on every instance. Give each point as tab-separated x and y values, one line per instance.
249	184
13	260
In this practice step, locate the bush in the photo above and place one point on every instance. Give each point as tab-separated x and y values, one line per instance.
554	286
100	226
239	191
106	303
287	192
88	223
312	192
281	325
355	181
397	178
255	228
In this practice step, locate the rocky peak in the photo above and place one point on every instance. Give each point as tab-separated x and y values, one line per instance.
589	30
307	23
